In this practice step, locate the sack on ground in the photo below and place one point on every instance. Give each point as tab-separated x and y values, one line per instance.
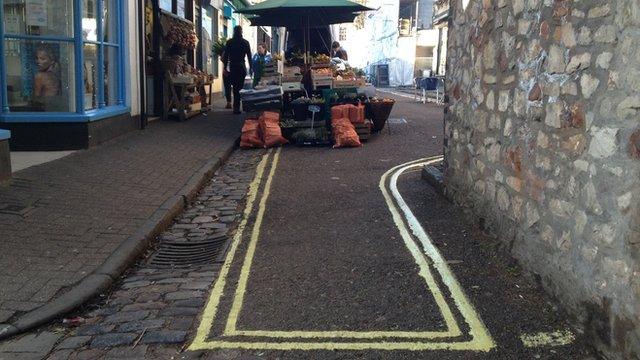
356	114
271	116
344	133
270	128
251	137
337	112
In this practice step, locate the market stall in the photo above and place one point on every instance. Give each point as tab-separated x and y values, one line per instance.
188	89
319	100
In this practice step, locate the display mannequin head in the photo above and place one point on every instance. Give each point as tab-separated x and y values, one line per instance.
45	59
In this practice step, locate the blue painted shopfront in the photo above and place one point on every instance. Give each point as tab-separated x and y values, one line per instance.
63	61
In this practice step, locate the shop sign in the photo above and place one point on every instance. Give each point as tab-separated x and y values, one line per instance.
228	11
36	11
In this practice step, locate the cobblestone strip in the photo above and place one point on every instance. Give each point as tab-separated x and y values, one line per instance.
150	314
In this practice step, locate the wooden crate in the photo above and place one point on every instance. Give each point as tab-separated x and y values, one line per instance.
322	83
363	130
339	84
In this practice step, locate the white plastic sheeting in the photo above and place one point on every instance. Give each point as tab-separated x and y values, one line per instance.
378	42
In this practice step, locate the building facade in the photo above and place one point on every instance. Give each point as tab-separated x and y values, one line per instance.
65	71
75	73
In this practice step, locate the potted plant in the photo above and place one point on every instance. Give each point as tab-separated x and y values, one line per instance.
218	46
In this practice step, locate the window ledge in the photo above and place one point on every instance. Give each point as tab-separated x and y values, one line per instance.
5	134
45	117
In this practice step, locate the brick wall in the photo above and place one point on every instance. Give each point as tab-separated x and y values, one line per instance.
543	145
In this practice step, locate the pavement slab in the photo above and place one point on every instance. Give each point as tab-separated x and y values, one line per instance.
75	211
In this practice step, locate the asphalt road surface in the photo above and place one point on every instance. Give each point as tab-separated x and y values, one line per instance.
345	254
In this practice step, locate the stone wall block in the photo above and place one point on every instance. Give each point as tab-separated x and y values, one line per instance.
628	13
606	34
578	62
589	85
604	142
634	145
629	107
556	61
542	138
599	11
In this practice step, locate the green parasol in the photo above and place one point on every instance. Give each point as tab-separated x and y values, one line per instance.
292	8
302	13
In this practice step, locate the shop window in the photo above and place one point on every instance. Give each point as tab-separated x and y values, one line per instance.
44	58
40	75
207	38
166	5
180	8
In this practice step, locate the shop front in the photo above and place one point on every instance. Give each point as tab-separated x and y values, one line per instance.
63	72
182	70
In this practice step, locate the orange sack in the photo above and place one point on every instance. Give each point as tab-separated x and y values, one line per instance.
251	137
271	116
337	112
344	133
356	114
270	127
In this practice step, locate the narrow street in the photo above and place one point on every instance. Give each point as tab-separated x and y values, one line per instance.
330	254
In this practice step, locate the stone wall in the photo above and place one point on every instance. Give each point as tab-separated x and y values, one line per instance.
543	147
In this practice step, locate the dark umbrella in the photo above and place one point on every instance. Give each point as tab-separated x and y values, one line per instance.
303	13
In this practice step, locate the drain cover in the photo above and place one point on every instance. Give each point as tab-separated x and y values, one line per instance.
15	209
180	254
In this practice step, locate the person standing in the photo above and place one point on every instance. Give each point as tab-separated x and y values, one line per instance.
338	51
259	60
235	51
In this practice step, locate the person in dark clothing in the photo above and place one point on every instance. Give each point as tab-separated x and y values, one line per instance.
338	51
226	83
235	51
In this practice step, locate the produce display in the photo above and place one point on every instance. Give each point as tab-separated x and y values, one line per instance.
181	34
321	59
335	110
325	72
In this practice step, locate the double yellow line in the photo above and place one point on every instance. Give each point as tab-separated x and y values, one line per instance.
378	340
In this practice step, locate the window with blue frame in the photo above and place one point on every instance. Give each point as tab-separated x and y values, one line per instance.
61	56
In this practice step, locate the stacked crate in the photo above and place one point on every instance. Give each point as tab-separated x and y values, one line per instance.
270	75
363	130
321	77
291	78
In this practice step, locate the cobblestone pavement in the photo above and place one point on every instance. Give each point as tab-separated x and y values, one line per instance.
149	314
59	221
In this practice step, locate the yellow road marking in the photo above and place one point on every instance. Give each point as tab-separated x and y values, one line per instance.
556	338
306	346
478	331
481	340
246	267
218	289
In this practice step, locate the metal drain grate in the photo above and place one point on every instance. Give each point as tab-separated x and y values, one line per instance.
181	254
15	209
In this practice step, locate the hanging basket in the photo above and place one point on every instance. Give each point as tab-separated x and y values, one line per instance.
379	112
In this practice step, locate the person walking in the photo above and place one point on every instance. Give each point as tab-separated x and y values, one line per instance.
235	51
226	83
